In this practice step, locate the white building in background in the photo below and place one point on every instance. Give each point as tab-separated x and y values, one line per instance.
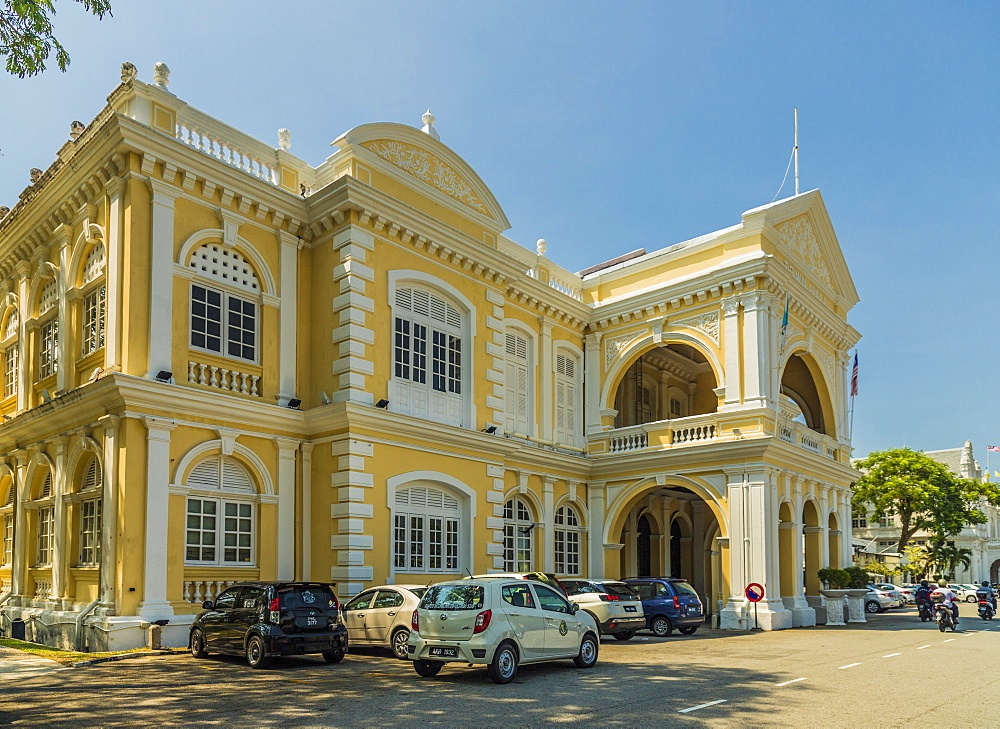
983	540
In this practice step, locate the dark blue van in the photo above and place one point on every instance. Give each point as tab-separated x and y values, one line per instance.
668	603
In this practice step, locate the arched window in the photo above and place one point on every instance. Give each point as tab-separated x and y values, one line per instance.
10	353
566	396
224	315
518	396
567	541
7	521
94	301
518	526
91	514
220	527
428	356
48	349
427	522
44	521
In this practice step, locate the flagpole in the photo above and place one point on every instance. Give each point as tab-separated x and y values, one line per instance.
796	150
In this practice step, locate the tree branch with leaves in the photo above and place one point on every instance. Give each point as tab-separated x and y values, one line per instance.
26	37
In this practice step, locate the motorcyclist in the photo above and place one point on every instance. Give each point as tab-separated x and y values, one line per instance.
984	590
949	600
923	597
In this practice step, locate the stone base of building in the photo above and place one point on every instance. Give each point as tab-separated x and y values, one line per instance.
86	632
770	615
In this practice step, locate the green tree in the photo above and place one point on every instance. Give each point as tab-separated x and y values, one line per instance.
26	34
923	493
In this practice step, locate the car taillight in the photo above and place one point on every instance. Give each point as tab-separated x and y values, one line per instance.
609	598
415	622
482	621
275	605
677	603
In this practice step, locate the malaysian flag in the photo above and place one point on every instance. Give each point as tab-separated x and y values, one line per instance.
854	378
993	448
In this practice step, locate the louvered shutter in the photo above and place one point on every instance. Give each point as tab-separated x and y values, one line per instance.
517	384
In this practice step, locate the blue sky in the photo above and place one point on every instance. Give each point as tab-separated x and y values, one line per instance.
604	127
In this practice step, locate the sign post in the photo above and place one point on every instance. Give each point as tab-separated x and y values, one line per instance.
754	593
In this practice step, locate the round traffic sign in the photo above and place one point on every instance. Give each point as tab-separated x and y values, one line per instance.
754	592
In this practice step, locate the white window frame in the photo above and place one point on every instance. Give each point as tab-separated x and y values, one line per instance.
10	358
220	531
95	309
90	531
518	536
226	331
45	521
426	539
859	522
48	348
568	537
7	548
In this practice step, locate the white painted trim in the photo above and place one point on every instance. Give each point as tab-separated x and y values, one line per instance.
264	274
257	467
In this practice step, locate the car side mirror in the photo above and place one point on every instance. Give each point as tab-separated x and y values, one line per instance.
208	605
574	607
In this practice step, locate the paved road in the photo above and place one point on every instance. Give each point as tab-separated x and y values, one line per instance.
887	673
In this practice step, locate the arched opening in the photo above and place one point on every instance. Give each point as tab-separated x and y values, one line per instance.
811	547
643	532
995	572
804	397
789	576
833	541
668	382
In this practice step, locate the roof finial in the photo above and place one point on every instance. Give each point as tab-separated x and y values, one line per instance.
541	246
161	74
429	129
284	139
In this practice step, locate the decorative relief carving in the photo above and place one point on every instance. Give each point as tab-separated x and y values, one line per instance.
425	166
614	346
708	323
798	235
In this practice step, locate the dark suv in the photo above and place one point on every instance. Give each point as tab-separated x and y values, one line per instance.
261	620
668	603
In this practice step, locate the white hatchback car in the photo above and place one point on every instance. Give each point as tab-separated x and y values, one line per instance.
380	616
499	624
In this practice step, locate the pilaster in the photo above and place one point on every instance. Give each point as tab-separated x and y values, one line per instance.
305	570
595	533
546	370
548	517
109	515
113	246
287	448
288	316
592	380
161	284
352	333
155	604
731	343
61	524
67	329
352	508
756	349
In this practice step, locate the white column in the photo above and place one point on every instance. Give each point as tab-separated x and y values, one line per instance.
60	523
546	376
548	519
288	316
286	507
731	342
67	352
307	449
161	285
109	515
113	275
154	603
592	380
757	349
24	365
595	530
20	558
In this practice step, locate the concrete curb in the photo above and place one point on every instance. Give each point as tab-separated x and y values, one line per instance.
126	656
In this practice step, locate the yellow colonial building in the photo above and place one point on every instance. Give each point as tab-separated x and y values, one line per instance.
221	363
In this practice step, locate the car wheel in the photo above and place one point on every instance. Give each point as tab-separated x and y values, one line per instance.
873	606
257	653
400	649
333	656
503	668
688	629
198	644
971	598
587	656
661	627
428	669
624	635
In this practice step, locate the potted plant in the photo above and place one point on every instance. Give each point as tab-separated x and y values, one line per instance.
857	590
836	581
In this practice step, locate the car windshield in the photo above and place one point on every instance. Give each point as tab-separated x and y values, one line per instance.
306	596
453	597
683	588
618	588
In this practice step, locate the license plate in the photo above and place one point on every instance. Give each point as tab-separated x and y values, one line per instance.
630	608
444	652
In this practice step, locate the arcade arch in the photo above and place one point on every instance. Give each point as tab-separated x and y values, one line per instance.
671	381
804	390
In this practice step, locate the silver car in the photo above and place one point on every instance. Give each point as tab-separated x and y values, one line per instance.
380	616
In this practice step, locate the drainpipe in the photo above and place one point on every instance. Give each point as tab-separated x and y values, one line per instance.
79	624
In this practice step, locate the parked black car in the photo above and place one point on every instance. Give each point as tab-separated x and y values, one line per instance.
261	620
668	602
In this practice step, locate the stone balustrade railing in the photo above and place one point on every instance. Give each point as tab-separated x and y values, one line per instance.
43	589
225	379
661	434
6	586
634	438
197	591
798	434
529	263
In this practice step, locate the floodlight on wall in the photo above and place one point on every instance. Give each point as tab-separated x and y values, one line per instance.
490	430
324	397
164	376
294	403
382	404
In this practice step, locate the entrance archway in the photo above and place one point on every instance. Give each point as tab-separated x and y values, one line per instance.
802	384
643	532
995	572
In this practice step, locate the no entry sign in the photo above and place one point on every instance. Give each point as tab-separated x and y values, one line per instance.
754	592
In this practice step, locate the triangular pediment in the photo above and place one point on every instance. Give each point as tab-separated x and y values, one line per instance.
428	163
801	230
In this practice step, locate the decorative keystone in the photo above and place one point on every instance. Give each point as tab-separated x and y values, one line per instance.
428	129
284	139
161	74
76	129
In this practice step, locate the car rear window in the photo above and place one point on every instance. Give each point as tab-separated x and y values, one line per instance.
418	591
453	597
618	588
306	596
683	588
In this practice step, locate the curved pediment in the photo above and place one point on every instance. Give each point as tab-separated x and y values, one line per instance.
429	161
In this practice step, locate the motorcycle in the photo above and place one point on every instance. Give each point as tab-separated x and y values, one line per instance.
985	609
925	611
945	619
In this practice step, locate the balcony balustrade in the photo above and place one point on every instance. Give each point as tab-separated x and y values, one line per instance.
224	379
